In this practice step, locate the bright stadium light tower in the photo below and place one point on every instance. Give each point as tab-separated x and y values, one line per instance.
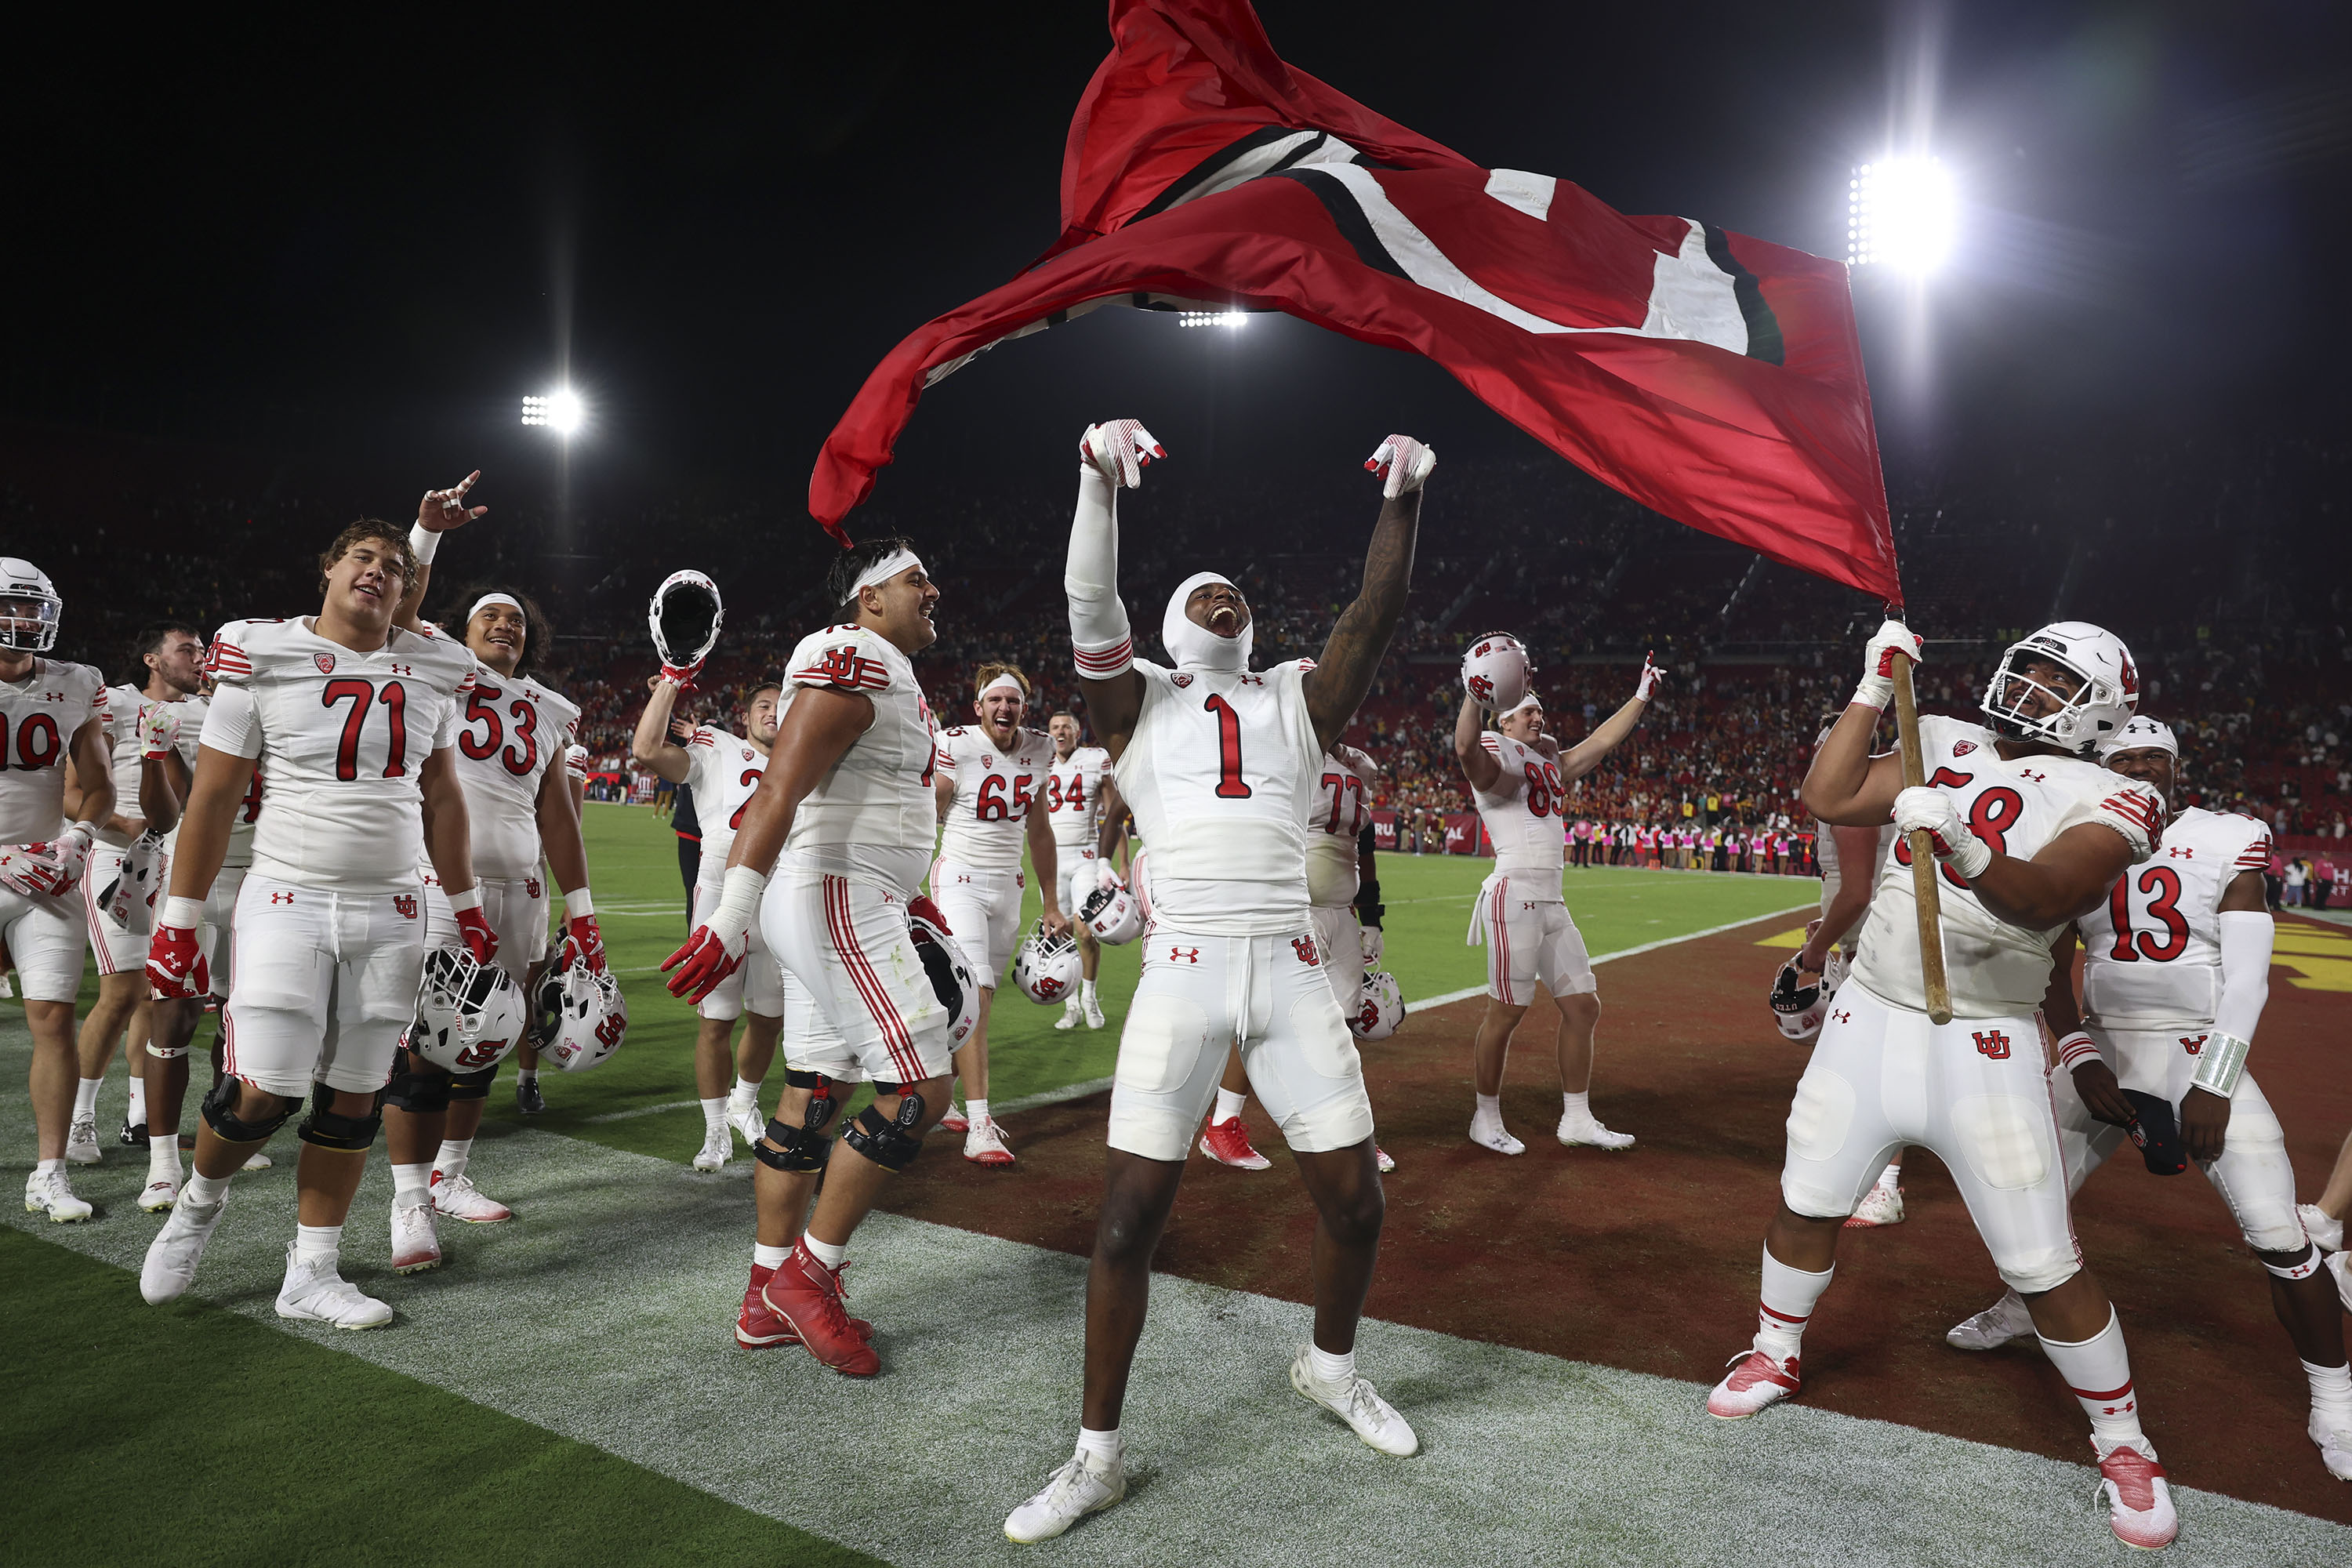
1214	319
1901	213
561	411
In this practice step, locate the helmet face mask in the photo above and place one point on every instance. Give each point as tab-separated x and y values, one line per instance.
2024	706
30	608
684	619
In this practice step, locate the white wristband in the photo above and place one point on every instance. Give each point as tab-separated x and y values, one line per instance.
182	914
738	898
578	905
2220	1062
471	899
422	542
1874	691
2077	1049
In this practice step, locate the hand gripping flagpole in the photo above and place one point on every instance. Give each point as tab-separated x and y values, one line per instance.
1923	853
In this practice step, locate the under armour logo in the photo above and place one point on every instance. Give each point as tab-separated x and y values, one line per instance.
1253	681
404	669
1304	946
2182	851
2030	773
1184	955
1843	1016
1990	1043
53	696
2192	1044
281	897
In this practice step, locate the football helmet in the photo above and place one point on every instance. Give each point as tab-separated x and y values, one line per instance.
1494	671
1046	967
1799	1009
2083	723
22	582
469	1013
950	972
685	616
1379	1007
582	1016
1113	914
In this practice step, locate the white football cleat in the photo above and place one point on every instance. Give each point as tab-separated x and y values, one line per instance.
1883	1205
1093	1008
171	1264
54	1196
82	1140
2328	1233
2140	1501
257	1161
2335	1445
1070	1015
1490	1135
2004	1322
322	1295
718	1148
1360	1404
1073	1491
457	1197
955	1120
158	1196
1383	1159
743	1116
984	1145
1588	1131
415	1247
1756	1380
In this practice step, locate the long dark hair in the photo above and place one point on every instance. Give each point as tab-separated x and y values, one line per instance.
538	632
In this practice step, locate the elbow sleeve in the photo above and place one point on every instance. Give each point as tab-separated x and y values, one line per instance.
1099	637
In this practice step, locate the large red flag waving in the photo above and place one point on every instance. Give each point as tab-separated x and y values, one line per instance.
1714	377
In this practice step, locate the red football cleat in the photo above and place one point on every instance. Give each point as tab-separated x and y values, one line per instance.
758	1326
2140	1499
1756	1381
807	1295
1227	1142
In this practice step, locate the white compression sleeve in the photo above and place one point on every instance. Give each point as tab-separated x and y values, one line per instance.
1099	637
2246	936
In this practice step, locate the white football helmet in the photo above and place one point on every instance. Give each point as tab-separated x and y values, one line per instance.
1379	1007
685	616
469	1013
22	582
952	975
1494	671
582	1016
1114	915
1046	967
2083	723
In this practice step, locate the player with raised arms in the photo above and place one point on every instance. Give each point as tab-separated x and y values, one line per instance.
354	721
1219	763
1080	796
828	857
2032	834
1519	778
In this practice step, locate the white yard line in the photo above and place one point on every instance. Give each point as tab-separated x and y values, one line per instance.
1464	995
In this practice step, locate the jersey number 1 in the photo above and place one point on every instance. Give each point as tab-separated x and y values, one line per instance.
1230	785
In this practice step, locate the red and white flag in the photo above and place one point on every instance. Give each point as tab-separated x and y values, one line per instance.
1711	376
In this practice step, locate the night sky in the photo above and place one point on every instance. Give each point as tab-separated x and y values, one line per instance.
370	236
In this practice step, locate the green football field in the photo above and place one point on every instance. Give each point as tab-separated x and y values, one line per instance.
564	1391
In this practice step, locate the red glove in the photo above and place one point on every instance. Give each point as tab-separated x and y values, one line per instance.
681	679
480	940
174	968
706	960
589	941
920	905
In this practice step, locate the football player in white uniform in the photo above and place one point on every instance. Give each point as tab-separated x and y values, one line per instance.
1342	810
723	770
1219	763
52	711
354	721
827	860
2032	834
1519	778
2176	971
1080	796
994	778
172	656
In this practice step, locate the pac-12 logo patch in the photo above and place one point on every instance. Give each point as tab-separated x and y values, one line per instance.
1962	748
1990	1043
325	662
1182	680
406	904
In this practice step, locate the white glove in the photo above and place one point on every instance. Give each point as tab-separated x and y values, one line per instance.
1891	640
1403	463
1106	876
1373	945
1651	676
46	870
1932	809
159	730
1122	449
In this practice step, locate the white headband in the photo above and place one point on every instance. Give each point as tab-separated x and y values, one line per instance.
882	571
1008	683
487	599
1530	700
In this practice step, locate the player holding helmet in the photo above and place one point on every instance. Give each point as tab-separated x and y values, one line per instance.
991	776
354	721
1080	796
1521	778
52	711
1219	763
2032	834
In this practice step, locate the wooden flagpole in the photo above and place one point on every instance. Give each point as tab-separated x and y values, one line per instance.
1923	853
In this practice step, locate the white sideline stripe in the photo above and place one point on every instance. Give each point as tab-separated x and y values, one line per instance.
1464	995
1061	1096
639	1111
602	1311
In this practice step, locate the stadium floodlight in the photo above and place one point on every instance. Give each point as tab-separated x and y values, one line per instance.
1902	215
1212	318
561	411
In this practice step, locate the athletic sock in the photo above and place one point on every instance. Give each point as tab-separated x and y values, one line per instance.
318	1245
1889	1177
1086	993
714	1115
526	1075
86	1096
137	1112
767	1256
49	1167
1490	1108
1332	1371
825	1252
1788	1299
1100	1449
203	1191
1577	1105
2331	1395
747	1091
451	1161
2098	1372
407	1179
1229	1104
976	1111
163	1157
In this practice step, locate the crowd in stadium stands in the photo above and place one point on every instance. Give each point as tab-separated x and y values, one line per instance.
2180	550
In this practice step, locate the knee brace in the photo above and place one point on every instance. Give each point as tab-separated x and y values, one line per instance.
894	1144
417	1086
220	1114
328	1128
473	1085
803	1147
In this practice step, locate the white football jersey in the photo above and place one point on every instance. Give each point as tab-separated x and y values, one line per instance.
723	770
1220	775
1073	796
988	823
1523	812
873	816
2152	952
1994	970
510	731
341	736
1343	807
39	716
